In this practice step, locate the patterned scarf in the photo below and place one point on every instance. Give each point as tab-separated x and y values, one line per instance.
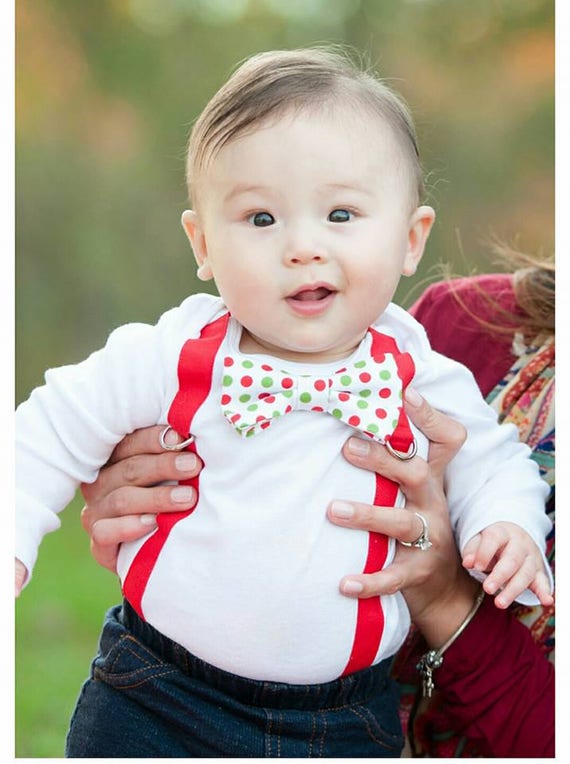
524	397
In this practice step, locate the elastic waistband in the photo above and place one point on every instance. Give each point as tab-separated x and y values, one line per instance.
352	689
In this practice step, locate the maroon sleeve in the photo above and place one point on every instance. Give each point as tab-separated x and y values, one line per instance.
462	318
499	687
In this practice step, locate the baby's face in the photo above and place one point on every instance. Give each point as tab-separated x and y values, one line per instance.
306	227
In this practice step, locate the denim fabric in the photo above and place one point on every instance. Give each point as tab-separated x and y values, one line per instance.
148	697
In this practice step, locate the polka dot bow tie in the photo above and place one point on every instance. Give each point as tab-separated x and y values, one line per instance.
366	395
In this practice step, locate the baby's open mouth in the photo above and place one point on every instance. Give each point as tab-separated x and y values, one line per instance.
311	295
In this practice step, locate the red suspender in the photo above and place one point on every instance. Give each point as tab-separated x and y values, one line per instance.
370	616
194	382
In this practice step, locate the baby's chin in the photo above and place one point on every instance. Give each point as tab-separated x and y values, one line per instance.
299	352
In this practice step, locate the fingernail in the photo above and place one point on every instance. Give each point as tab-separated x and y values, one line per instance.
182	494
413	397
185	462
350	586
148	519
358	447
172	438
342	509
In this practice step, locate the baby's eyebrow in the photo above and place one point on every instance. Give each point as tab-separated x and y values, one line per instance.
244	188
348	186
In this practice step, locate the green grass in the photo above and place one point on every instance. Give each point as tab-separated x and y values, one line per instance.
58	620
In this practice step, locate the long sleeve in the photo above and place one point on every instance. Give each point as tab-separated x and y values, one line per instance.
68	428
492	478
498	687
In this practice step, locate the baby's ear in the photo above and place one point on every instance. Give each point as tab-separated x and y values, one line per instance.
197	238
421	221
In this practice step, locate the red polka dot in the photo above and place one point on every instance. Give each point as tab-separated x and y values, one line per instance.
385	392
266	367
343	397
320	385
288	409
228	361
364	377
246	381
270	399
381	413
354	421
317	408
265	425
235	418
287	382
260	418
261	396
226	399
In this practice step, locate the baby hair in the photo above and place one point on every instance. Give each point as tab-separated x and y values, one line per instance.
269	84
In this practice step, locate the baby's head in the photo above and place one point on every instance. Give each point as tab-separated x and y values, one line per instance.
269	85
305	179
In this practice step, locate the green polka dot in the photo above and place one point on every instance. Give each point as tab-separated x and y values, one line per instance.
336	413
247	364
345	379
362	404
287	393
276	414
252	407
385	375
227	380
249	433
266	382
305	398
245	398
360	364
372	428
365	393
394	423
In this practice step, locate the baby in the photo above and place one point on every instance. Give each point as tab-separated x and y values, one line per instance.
306	189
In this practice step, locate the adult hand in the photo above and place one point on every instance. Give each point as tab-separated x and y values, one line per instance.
121	505
433	581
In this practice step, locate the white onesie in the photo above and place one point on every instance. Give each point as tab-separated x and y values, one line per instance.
248	579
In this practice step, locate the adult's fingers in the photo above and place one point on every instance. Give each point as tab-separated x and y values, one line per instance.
109	533
142	470
132	500
394	578
445	434
369	455
143	441
399	524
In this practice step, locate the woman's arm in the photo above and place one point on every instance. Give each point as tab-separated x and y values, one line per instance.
497	684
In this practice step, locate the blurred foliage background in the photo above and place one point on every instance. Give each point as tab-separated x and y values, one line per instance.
106	92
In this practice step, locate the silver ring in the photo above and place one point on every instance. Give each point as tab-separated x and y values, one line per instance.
174	446
422	542
402	455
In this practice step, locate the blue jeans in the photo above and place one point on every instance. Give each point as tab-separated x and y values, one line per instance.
148	697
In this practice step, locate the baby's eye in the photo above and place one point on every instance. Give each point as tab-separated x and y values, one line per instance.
340	216
261	219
